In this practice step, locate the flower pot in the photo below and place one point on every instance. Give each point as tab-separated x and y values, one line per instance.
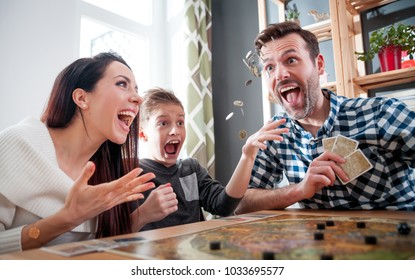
408	63
407	60
390	58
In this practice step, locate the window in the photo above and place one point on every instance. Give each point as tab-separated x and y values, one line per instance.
98	37
139	11
152	48
146	33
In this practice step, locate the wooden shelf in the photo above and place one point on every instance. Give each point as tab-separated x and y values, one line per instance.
321	29
357	6
379	80
330	86
384	79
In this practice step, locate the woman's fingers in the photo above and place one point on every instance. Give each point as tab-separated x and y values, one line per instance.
86	174
141	183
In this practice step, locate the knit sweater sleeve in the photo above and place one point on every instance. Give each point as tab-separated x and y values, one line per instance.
10	240
32	185
213	196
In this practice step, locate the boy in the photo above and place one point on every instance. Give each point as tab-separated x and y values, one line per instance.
184	185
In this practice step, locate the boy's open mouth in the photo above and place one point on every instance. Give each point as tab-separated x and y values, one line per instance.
172	147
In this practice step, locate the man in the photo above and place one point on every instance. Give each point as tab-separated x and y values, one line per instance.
383	128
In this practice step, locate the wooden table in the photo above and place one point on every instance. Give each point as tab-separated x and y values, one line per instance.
159	234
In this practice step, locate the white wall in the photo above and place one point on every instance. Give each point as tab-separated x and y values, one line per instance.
38	38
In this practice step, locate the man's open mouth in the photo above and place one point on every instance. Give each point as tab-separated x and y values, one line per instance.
290	93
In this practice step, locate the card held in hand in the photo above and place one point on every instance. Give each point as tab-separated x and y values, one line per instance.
356	164
344	146
328	144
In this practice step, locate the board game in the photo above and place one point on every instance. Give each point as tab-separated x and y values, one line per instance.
288	237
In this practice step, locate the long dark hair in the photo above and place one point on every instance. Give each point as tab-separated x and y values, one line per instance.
112	160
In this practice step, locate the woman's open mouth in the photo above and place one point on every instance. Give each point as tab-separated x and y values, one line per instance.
127	117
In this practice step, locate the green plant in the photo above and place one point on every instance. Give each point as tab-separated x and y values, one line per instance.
291	13
401	35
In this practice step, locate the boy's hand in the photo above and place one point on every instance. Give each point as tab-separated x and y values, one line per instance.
159	204
268	132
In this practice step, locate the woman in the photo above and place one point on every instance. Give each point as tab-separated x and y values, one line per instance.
69	176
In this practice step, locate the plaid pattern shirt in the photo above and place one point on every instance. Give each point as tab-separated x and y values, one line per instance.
385	130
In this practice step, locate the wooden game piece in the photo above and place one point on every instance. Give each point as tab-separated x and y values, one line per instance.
215	245
403	228
321	226
326	257
268	255
330	223
318	236
370	239
361	224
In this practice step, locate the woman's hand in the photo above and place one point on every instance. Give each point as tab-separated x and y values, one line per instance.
86	201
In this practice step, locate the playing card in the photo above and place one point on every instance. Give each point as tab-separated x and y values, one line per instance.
74	249
328	143
71	250
344	146
128	239
356	164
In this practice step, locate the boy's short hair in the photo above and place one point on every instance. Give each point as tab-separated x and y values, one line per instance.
153	98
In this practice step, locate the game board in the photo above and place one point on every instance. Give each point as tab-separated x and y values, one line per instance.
287	237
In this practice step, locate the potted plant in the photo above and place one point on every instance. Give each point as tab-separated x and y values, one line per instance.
388	43
292	13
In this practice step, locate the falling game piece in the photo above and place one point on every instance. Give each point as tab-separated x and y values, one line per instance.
403	228
242	134
240	104
229	116
214	245
370	239
254	63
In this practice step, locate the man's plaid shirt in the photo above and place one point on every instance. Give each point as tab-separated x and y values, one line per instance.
385	130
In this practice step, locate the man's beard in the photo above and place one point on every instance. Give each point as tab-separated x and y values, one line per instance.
310	100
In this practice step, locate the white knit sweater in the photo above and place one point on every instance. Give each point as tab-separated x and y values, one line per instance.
32	186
